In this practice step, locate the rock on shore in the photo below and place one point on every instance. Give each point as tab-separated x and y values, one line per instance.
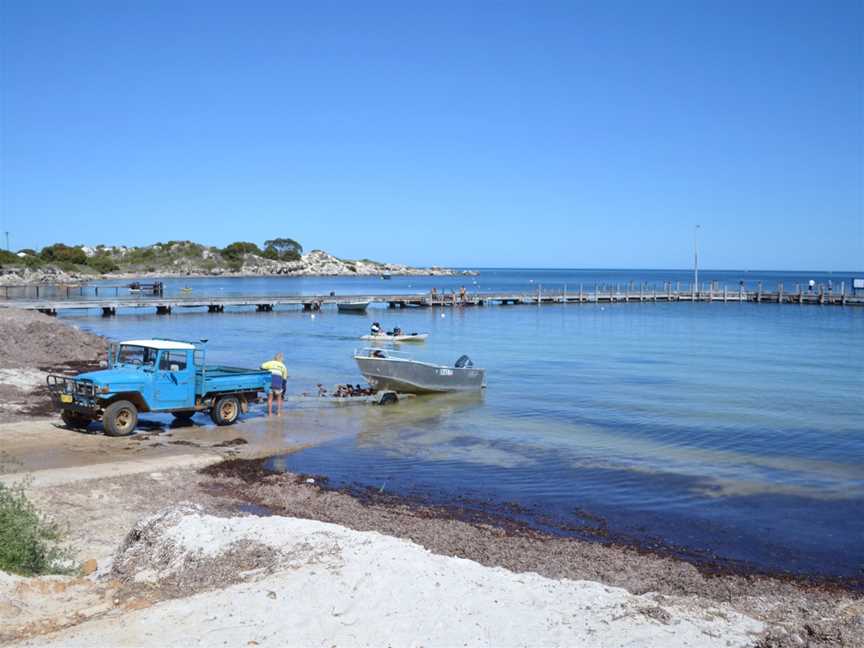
49	275
320	263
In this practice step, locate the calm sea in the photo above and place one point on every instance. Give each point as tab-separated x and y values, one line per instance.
732	430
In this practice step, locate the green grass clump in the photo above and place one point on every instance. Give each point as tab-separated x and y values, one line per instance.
29	543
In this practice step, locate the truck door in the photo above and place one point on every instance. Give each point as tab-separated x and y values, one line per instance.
175	381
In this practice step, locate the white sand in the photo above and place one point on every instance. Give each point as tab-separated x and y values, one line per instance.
338	587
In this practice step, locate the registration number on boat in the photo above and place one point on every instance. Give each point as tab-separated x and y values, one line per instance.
445	372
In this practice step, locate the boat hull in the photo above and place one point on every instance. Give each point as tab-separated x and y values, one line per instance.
420	337
352	307
418	377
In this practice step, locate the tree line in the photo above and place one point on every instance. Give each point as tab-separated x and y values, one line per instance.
278	249
102	261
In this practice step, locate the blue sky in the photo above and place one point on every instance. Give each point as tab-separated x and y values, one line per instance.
572	134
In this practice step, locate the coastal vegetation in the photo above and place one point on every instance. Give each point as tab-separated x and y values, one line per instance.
103	259
277	256
29	542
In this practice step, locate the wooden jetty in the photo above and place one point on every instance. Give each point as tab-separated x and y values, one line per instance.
592	295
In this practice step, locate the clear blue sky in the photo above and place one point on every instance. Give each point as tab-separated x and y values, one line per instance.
543	134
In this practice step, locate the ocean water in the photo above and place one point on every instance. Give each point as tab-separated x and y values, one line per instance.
732	431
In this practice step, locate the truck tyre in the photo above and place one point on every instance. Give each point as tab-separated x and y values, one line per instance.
75	420
226	410
183	415
120	418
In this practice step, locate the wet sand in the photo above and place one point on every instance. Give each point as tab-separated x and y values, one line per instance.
35	444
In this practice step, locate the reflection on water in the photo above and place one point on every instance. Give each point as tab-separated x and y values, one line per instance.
736	427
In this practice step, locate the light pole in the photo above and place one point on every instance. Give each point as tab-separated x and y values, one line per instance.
696	259
7	241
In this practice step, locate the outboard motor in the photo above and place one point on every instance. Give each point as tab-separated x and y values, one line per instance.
464	362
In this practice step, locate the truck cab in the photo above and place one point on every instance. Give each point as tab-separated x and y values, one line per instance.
155	375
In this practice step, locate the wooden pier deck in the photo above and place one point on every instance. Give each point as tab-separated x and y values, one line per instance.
266	303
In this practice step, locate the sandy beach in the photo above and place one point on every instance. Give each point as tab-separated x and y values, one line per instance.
183	537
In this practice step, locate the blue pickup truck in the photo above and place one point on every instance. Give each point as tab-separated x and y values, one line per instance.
155	375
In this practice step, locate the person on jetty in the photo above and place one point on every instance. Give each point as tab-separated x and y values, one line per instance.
279	376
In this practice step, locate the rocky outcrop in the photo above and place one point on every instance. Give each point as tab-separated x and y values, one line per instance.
45	275
188	259
320	263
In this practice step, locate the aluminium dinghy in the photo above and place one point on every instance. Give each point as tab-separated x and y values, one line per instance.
388	369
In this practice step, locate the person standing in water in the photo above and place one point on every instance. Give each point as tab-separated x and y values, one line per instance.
279	376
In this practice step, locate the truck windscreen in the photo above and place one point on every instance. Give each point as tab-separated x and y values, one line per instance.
136	355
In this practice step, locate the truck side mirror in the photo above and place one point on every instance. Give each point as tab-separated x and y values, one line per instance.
103	364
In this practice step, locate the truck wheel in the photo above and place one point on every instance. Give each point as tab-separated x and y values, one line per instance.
120	418
185	415
226	410
74	420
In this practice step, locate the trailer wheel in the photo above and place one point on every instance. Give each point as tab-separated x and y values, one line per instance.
74	420
226	410
120	418
388	398
183	415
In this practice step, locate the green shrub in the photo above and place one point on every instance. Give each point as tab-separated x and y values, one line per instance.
282	249
9	258
61	253
69	266
29	543
238	249
234	264
102	263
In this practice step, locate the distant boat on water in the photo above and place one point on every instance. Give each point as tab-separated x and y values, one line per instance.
352	307
395	337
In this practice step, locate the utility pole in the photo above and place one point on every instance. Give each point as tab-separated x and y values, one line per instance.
696	259
7	241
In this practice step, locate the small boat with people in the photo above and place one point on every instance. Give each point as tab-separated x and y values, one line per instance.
352	307
387	369
138	288
378	334
390	337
